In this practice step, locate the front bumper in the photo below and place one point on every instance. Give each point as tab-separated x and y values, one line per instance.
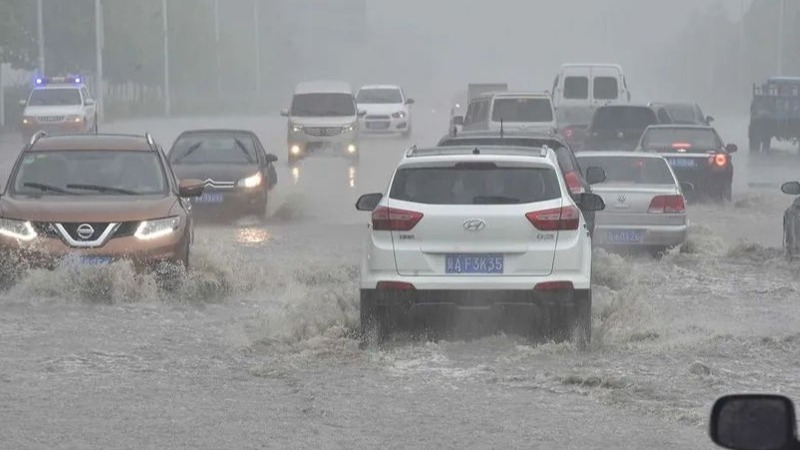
29	129
301	144
384	124
229	201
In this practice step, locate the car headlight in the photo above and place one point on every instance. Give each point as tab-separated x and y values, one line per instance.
27	120
296	128
399	115
17	229
348	128
75	119
153	229
251	181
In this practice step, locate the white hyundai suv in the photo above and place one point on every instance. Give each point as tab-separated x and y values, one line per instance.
491	229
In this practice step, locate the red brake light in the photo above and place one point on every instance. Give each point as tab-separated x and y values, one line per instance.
667	204
395	286
566	218
573	182
393	219
720	159
681	145
554	286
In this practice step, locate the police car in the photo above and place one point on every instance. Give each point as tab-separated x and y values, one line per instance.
58	105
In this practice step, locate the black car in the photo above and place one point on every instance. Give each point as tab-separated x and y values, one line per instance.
578	179
680	113
697	156
618	127
237	170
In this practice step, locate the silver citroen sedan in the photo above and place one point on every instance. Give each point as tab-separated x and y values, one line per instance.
646	207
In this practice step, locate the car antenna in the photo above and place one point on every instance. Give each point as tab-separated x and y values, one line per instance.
476	151
501	128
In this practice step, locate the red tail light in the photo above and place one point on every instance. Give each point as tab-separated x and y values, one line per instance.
719	160
393	219
681	145
667	204
573	182
395	286
551	286
566	218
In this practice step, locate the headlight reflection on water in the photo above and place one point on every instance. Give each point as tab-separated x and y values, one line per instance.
252	235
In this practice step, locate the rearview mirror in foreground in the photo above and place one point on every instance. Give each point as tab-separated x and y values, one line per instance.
731	148
190	188
753	422
791	188
368	202
591	202
595	175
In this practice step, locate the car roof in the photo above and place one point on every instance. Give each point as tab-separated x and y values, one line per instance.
109	142
323	87
692	104
610	65
511	133
469	151
682	126
59	86
784	78
629	105
512	94
618	153
217	130
379	86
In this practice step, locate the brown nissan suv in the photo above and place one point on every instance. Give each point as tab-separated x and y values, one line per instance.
94	199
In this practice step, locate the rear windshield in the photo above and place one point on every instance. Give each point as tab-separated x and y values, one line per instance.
323	105
701	139
90	172
55	97
522	110
630	169
213	149
682	113
576	88
624	118
605	88
475	185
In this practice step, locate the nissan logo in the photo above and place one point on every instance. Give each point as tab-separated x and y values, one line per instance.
85	231
474	225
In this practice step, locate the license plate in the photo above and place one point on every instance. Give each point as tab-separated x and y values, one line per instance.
682	162
210	198
474	263
377	125
624	236
95	260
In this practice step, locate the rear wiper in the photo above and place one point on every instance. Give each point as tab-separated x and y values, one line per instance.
493	199
45	187
94	187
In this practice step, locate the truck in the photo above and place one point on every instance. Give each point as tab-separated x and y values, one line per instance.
774	113
459	107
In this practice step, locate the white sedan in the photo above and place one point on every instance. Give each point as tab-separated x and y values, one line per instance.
388	110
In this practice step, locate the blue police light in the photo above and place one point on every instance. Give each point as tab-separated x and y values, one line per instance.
39	81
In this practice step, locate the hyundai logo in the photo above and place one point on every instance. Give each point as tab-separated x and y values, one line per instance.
474	225
85	231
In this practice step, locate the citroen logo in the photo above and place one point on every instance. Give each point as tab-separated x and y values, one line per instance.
209	182
85	231
474	225
621	198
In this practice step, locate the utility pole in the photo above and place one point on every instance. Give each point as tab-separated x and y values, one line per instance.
216	36
2	98
780	36
167	105
40	24
257	31
99	44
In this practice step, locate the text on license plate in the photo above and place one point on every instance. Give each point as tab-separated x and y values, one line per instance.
624	236
473	263
95	260
211	197
682	162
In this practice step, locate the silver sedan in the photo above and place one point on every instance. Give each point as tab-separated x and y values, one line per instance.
645	203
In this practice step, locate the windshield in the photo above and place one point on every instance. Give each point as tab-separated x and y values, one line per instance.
682	113
379	96
95	172
624	118
475	185
698	138
214	149
55	97
630	169
323	105
522	110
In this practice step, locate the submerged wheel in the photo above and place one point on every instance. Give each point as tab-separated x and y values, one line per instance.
581	325
374	320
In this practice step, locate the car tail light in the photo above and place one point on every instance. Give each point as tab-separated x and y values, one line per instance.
573	182
681	145
565	218
719	160
393	219
395	286
667	204
551	286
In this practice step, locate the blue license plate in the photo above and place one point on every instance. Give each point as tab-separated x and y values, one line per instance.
474	263
210	198
624	236
95	260
682	162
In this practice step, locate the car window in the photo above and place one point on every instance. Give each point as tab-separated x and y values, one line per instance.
522	110
633	170
471	185
576	88
663	116
323	105
605	88
701	139
90	172
213	149
682	113
623	117
379	96
55	97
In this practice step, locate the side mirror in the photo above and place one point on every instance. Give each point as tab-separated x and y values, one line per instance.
271	158
190	188
409	101
590	202
709	119
458	120
731	148
687	188
368	202
791	188
89	102
362	112
753	422
285	112
595	175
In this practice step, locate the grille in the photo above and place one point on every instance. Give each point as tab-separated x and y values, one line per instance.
378	125
49	230
72	230
323	131
50	119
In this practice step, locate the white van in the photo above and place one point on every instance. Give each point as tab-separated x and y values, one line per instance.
532	111
590	85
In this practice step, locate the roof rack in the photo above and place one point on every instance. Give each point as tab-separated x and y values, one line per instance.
36	136
150	141
477	150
